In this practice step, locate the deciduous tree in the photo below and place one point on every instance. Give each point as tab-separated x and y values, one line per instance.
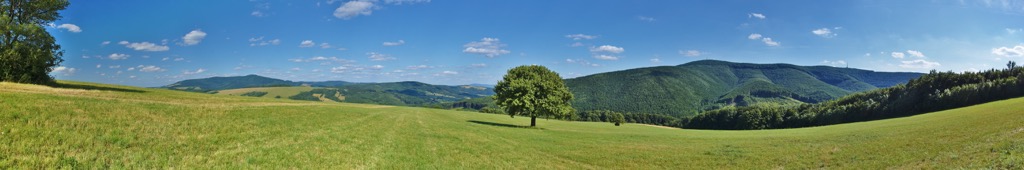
27	52
533	91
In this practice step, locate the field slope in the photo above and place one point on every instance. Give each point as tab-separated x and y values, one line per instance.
103	126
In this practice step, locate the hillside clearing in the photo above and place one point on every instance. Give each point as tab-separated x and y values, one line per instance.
105	126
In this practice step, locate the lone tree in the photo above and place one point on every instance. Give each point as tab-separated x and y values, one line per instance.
533	91
27	52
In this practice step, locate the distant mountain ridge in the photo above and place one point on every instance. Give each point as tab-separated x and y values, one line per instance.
408	93
252	80
687	89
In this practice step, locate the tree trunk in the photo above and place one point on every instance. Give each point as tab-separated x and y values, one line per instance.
533	121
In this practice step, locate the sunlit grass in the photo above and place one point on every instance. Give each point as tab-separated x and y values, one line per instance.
106	126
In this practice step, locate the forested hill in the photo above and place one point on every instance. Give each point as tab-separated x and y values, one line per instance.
406	93
689	88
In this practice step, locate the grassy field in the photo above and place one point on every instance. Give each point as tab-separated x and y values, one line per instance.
104	126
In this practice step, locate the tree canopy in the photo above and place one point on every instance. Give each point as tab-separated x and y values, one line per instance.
533	91
27	52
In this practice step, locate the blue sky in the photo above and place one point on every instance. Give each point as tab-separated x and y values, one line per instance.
154	43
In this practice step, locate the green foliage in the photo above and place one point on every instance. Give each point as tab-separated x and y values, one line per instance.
27	52
471	104
254	94
932	92
690	88
610	116
533	91
617	118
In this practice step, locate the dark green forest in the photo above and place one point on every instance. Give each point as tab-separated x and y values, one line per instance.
690	88
934	91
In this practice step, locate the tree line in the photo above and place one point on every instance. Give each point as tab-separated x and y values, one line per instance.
934	91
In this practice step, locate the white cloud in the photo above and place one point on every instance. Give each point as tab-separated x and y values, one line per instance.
754	36
260	42
179	59
607	48
325	45
67	71
352	9
118	56
770	42
837	63
1015	51
144	46
150	68
756	15
99	65
131	68
194	37
917	54
339	69
70	27
690	53
478	65
447	72
606	57
581	37
490	47
823	32
1013	31
644	18
379	57
655	60
307	43
400	42
920	64
165	59
194	72
378	67
898	55
114	66
104	43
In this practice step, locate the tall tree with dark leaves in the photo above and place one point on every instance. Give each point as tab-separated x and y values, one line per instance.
533	91
27	52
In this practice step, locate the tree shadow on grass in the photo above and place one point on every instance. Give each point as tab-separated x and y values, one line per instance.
91	87
500	124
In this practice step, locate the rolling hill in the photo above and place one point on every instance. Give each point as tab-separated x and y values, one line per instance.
98	126
406	93
687	89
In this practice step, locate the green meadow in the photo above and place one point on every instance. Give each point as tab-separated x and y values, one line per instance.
86	125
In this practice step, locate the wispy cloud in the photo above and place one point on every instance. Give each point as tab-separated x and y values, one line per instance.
397	43
919	64
756	15
580	37
690	53
823	32
70	27
489	47
144	46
